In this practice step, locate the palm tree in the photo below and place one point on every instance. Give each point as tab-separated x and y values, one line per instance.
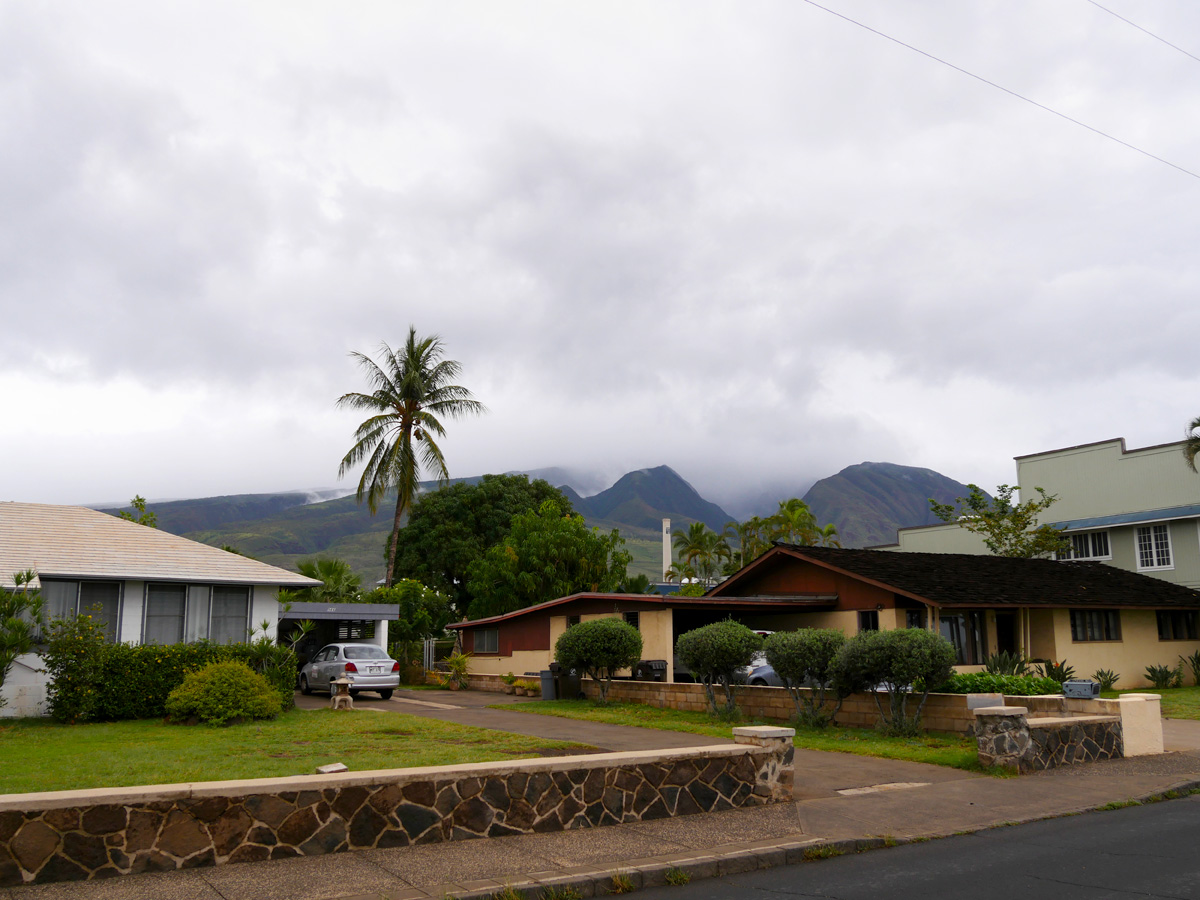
794	523
828	536
339	582
703	549
411	393
751	538
1191	444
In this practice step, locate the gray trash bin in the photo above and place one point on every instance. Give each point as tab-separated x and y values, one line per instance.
548	685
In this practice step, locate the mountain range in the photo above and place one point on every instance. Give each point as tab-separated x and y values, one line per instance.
867	502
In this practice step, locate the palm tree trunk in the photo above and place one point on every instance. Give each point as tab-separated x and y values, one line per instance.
391	557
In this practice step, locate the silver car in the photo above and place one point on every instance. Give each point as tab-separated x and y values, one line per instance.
368	667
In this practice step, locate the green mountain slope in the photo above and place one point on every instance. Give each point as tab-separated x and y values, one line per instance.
869	501
642	499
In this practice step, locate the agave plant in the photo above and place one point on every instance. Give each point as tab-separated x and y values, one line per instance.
1005	663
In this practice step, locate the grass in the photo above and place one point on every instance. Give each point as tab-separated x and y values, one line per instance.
1177	703
954	750
117	754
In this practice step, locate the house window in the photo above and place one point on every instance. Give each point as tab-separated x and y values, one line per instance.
1089	545
965	630
1154	547
634	619
1095	625
572	621
868	620
487	640
356	630
101	599
914	618
1176	624
178	613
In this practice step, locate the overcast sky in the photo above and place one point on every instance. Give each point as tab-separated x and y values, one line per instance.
753	241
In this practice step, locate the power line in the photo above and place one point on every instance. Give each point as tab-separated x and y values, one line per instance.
1000	87
1143	30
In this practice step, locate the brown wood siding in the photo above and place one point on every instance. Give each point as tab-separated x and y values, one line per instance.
523	633
795	576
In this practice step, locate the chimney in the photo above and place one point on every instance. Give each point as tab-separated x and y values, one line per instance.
666	547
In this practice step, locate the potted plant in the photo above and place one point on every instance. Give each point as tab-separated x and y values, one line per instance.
457	674
510	683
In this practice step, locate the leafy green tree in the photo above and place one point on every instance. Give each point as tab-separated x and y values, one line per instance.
827	536
716	654
753	540
804	659
339	582
1007	529
1191	443
20	615
599	648
424	613
793	523
702	549
636	584
452	527
411	393
149	519
547	553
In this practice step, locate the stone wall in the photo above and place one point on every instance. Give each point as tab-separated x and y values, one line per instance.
93	834
1008	738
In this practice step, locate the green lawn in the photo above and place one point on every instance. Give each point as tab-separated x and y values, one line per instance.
954	750
1177	703
42	755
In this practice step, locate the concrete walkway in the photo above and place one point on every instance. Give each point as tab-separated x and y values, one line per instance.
849	802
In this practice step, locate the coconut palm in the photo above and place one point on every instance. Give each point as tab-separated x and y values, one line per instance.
411	392
340	584
703	549
827	536
1191	443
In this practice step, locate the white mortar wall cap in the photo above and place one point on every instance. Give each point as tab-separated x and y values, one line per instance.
1140	697
1002	711
763	731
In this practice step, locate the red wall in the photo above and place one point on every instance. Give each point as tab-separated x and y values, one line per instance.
788	575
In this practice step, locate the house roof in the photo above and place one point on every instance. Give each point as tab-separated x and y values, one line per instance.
962	579
75	542
780	603
1190	511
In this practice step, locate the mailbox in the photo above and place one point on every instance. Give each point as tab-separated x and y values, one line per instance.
1081	688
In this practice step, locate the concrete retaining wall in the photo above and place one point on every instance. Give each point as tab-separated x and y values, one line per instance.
1008	738
93	834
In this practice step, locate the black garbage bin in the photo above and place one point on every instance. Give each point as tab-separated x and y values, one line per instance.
567	686
650	670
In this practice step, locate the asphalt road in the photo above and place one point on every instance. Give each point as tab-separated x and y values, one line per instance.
1144	852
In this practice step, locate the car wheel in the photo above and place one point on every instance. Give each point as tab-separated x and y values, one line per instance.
304	688
386	695
759	682
353	692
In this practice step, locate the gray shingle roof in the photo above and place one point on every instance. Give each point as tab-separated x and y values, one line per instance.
75	542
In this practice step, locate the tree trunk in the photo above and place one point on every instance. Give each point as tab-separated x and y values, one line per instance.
391	557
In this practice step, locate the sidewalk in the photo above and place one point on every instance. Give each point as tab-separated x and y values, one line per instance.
850	801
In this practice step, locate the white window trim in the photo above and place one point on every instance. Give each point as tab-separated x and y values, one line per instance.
79	582
187	594
1109	556
1137	550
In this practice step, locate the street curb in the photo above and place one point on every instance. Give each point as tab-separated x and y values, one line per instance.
728	859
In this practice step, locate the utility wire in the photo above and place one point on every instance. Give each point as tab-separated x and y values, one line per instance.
1000	87
1143	30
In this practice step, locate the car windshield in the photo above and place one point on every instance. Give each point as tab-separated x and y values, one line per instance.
365	651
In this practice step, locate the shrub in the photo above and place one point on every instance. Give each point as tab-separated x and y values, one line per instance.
986	683
806	657
222	692
20	619
714	654
599	648
1059	671
93	680
458	671
73	654
1005	663
1164	676
1193	663
1107	677
896	660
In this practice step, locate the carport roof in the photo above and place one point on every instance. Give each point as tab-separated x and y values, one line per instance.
340	611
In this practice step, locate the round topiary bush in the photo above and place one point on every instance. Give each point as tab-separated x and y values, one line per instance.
716	654
599	648
221	693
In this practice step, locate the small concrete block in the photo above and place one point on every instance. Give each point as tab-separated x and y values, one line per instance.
1002	711
769	858
585	887
699	866
750	733
653	874
332	768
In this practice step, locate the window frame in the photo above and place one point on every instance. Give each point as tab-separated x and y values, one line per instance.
1188	618
491	632
1091	537
974	649
868	620
1110	626
191	597
633	617
1152	530
73	607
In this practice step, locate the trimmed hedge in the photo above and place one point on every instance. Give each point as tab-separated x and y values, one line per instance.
599	648
986	683
92	680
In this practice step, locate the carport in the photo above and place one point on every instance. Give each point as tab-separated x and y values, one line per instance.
365	622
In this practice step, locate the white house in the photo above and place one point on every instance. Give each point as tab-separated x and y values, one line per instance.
148	586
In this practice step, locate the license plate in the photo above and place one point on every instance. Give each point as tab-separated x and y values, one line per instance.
374	670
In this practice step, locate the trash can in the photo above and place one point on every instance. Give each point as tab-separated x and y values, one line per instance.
566	683
650	670
549	691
